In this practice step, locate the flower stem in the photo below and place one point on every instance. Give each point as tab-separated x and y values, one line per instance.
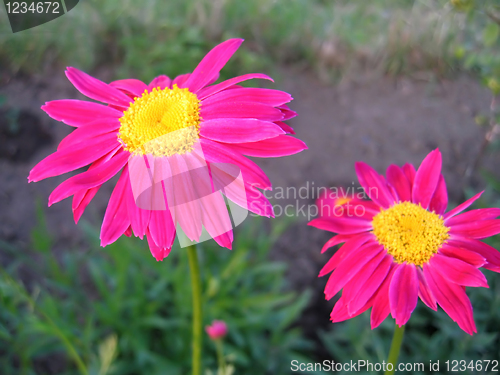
220	356
197	320
397	340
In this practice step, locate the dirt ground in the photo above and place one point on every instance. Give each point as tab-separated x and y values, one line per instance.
380	121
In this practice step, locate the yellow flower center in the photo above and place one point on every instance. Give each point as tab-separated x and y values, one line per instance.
161	122
409	232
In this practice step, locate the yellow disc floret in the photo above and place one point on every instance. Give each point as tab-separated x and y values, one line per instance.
161	122
409	232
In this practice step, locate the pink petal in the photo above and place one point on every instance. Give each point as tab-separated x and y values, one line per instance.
162	228
139	218
287	128
341	225
77	112
81	202
488	252
281	145
424	291
252	174
69	159
381	307
335	240
239	130
410	172
341	313
211	64
240	110
365	284
403	292
96	89
452	298
350	266
158	252
249	94
474	215
374	185
90	178
179	80
161	82
461	207
427	178
116	220
463	254
439	200
477	229
351	245
397	178
91	130
132	86
287	112
457	271
209	91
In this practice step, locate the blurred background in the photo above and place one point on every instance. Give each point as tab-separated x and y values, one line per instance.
382	81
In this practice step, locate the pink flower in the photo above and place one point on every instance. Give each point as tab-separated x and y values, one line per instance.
176	144
217	330
403	246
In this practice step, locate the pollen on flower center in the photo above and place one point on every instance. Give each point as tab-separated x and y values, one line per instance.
409	232
161	122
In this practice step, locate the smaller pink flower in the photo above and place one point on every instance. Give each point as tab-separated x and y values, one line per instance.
217	330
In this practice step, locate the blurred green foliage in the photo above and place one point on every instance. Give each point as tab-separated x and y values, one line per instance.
156	37
118	311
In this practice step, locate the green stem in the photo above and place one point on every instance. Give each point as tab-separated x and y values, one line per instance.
197	320
220	356
397	340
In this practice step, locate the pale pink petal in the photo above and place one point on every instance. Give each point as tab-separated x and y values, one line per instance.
403	292
351	245
282	145
240	110
209	91
427	178
473	215
397	178
96	89
91	178
350	266
78	112
457	271
116	220
211	64
424	291
488	252
132	86
69	159
374	185
252	174
439	200
341	225
452	298
461	207
477	229
249	94
236	130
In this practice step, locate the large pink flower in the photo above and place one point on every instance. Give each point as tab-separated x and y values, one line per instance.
402	245
177	144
